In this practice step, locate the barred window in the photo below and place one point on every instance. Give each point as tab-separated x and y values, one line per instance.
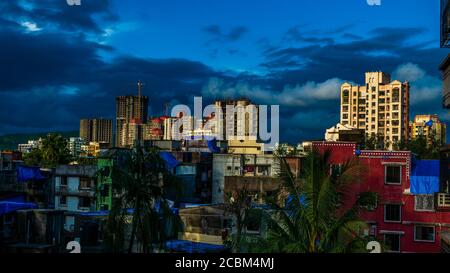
424	202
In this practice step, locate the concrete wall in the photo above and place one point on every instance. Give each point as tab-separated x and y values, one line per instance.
235	165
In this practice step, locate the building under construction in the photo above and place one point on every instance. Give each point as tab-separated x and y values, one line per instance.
130	109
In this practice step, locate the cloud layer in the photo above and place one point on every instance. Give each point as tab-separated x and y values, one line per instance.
54	70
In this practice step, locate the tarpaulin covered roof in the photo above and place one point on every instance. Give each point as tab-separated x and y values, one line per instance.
425	176
193	247
25	174
8	207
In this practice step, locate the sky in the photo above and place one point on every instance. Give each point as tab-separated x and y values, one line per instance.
60	63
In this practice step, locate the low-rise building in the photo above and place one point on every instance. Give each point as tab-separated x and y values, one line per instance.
75	145
240	165
26	148
408	216
75	187
344	133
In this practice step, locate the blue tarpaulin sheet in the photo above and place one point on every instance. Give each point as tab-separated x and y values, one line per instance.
290	198
170	160
25	174
425	176
8	207
212	146
193	247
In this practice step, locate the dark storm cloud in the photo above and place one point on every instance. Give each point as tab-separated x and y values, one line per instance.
53	76
57	14
45	59
383	49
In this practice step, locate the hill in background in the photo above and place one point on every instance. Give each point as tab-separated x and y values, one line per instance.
10	142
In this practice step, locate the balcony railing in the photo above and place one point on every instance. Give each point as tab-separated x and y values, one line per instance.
443	200
64	190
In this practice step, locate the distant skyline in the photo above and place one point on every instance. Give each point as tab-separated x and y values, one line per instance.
63	63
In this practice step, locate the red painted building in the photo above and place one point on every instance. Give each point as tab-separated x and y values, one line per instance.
403	221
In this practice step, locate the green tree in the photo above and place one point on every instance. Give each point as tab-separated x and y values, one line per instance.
239	206
422	147
314	218
53	152
138	184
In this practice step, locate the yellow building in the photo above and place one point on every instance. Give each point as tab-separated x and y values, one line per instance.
247	147
93	148
428	126
380	108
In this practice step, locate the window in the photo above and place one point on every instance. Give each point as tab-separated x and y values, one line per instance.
392	213
393	175
229	168
424	202
424	233
345	96
85	182
392	242
264	170
395	95
63	181
62	200
85	202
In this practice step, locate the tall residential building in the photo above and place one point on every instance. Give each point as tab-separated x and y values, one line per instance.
429	126
96	130
445	43
380	108
131	131
240	130
445	23
244	124
130	108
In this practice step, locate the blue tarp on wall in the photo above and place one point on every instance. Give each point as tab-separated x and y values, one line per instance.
425	176
7	207
170	160
212	146
25	174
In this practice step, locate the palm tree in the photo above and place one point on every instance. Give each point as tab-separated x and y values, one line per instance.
314	219
138	185
239	206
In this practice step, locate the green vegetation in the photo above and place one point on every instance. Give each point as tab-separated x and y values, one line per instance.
314	220
10	142
138	184
52	152
422	148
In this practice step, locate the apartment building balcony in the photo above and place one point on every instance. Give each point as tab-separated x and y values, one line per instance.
83	192
84	209
443	201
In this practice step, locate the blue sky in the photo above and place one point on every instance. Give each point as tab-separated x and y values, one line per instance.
63	63
179	26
